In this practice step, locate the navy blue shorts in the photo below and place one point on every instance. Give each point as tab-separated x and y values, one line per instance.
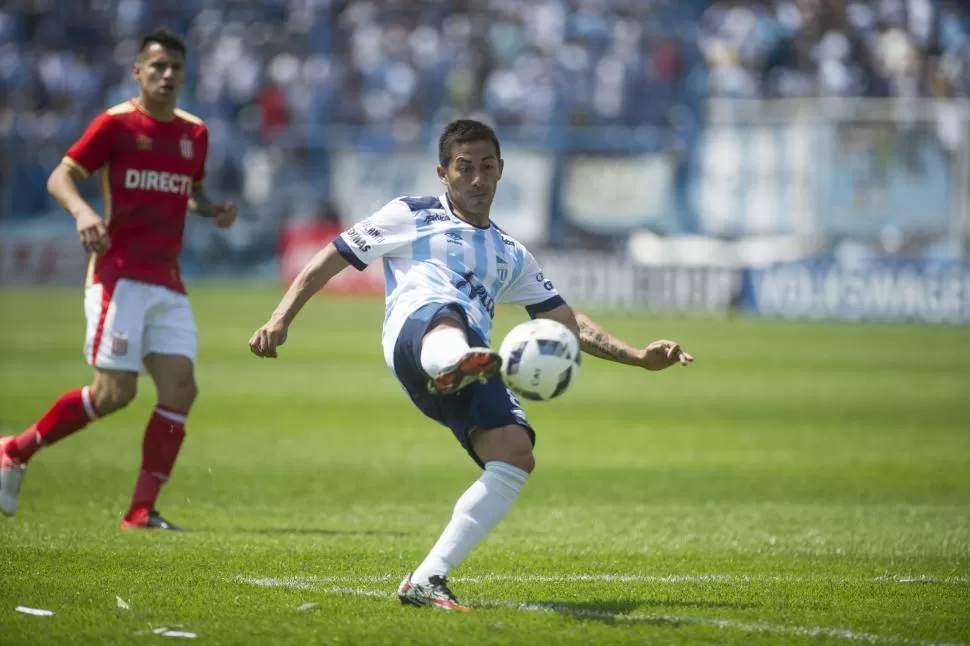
486	406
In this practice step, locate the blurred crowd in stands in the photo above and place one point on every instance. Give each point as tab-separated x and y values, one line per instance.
837	48
277	79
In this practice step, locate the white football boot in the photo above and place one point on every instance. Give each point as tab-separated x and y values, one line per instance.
434	593
11	475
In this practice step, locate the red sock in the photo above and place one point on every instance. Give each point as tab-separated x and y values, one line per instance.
163	439
70	413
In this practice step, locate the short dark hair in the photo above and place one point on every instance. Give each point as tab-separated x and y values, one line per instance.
164	37
464	131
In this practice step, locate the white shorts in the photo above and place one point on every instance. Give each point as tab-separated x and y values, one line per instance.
133	319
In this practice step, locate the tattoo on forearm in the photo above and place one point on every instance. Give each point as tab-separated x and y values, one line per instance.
598	343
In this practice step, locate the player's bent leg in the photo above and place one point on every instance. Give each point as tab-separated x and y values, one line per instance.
507	455
448	360
174	378
487	405
75	409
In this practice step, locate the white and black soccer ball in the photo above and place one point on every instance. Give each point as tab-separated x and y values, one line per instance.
540	359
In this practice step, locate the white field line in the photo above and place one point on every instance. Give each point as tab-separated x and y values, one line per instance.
311	581
655	619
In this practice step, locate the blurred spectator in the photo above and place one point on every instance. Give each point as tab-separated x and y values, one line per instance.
769	48
269	74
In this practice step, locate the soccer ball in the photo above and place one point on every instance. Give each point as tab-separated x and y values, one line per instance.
540	358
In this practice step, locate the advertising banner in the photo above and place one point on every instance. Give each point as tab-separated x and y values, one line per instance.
612	194
916	291
602	280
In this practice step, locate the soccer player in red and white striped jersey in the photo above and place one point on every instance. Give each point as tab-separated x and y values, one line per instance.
150	159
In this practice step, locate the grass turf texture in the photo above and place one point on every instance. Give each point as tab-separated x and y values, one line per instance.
800	483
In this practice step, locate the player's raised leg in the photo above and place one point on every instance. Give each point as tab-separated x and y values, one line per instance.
110	391
507	455
450	362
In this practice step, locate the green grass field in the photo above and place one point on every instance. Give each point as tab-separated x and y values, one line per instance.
799	483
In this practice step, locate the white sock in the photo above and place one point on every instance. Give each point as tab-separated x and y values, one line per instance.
441	348
476	514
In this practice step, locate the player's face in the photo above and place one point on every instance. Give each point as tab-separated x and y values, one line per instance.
472	176
160	72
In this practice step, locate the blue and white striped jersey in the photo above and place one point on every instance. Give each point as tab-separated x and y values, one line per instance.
432	256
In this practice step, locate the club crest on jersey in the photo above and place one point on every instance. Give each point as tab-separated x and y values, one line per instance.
185	147
119	344
501	268
143	142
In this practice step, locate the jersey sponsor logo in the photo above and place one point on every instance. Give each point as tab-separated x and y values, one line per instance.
469	282
453	237
185	147
153	180
143	142
545	283
367	228
358	239
436	217
508	241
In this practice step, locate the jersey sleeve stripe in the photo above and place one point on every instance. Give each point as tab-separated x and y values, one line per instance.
73	165
545	306
348	255
188	116
121	108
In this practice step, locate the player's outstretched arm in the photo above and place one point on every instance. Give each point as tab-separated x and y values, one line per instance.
312	278
597	342
91	230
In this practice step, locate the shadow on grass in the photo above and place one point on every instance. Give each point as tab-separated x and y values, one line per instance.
705	605
622	612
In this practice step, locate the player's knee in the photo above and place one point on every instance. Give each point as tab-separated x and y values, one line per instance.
189	392
524	460
509	444
174	377
180	393
112	393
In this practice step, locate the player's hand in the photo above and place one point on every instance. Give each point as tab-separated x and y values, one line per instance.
663	354
224	213
266	339
92	232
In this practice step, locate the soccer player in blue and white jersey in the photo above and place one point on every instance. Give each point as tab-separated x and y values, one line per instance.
446	265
